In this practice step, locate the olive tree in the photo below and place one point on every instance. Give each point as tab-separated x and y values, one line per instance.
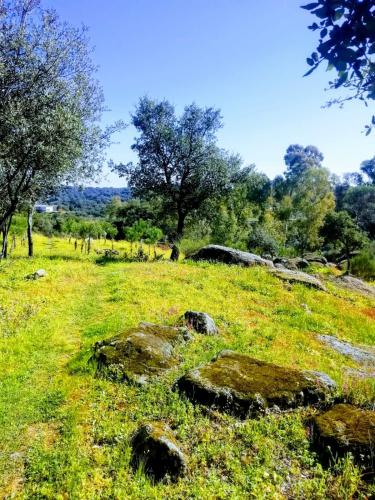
50	106
178	158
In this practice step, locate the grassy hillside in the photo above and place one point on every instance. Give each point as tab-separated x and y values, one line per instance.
65	433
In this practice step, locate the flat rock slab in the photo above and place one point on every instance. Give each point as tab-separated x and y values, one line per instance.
139	353
356	285
154	446
362	355
245	387
201	322
228	255
298	277
345	428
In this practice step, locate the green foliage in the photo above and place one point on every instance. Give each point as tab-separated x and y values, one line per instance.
347	44
179	160
363	265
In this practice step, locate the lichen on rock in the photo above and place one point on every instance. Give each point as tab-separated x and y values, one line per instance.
345	428
245	387
139	353
154	446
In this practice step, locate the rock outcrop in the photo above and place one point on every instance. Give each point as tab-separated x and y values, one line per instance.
355	285
345	428
139	353
298	277
201	322
228	255
362	355
154	447
292	264
246	387
313	258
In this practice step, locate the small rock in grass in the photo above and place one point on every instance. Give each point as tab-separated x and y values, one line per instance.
40	273
245	387
154	447
345	428
201	322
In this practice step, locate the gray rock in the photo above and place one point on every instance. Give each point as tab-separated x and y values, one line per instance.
245	387
292	264
201	322
40	273
228	255
138	354
355	284
362	355
346	429
298	277
312	258
155	448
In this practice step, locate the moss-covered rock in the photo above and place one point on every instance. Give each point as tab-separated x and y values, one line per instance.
155	448
343	429
138	353
244	386
298	277
226	255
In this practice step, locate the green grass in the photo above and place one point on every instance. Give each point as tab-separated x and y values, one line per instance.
65	433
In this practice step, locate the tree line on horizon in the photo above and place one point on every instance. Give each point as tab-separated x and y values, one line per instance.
183	183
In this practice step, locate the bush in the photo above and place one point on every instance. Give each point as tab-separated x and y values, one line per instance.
260	241
363	265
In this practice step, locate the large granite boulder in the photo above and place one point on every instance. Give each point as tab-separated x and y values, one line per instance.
345	428
355	285
298	277
245	387
201	322
139	353
361	354
154	447
228	255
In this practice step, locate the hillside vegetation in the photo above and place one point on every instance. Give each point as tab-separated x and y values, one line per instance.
65	433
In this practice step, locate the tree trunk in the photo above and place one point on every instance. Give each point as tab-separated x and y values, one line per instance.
5	232
89	244
180	231
13	243
30	241
4	248
180	225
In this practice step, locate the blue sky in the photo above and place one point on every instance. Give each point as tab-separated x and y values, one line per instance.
246	57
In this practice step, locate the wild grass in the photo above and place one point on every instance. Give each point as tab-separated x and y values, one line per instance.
65	433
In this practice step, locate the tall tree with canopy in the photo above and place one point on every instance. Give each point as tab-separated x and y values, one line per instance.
50	107
179	159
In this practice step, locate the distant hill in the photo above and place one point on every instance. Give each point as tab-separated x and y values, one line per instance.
87	201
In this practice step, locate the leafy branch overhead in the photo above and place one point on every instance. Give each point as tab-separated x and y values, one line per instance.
347	42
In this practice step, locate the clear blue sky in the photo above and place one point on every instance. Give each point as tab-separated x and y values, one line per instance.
246	57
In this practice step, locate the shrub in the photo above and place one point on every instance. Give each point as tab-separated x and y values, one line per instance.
363	265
